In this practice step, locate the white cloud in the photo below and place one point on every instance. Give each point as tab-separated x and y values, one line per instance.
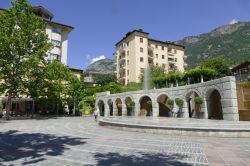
97	58
234	21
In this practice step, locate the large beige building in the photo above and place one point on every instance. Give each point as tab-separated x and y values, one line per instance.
136	51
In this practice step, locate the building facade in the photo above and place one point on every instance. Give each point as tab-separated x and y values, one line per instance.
136	51
242	71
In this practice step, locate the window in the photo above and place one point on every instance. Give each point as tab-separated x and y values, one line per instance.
175	51
141	49
142	70
156	55
127	43
141	59
156	46
127	62
56	43
56	30
141	40
163	65
162	47
163	56
156	64
127	52
53	56
175	59
128	72
169	49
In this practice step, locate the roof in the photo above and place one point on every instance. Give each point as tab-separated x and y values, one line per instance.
41	8
141	31
131	32
167	42
241	65
68	26
75	69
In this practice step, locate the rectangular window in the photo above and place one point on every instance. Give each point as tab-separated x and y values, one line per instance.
175	59
163	56
156	46
156	55
156	64
141	40
56	43
175	51
127	62
127	43
53	56
141	59
127	52
142	70
141	49
56	30
128	72
169	49
163	65
162	47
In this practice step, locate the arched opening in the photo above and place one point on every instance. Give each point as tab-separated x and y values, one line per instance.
192	106
130	105
164	110
101	108
118	103
110	104
146	106
214	105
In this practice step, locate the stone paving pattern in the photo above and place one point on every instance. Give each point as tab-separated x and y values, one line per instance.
81	141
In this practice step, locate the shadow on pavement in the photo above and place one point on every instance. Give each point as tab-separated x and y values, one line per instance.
34	147
140	159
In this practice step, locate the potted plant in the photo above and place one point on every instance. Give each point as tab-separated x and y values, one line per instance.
170	104
199	101
179	103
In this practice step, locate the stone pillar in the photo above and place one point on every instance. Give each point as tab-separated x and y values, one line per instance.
204	108
106	110
155	107
185	113
137	109
124	109
175	110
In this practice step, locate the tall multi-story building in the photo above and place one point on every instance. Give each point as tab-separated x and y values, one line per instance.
136	51
57	34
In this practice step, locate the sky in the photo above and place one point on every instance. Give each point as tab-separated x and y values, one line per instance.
99	24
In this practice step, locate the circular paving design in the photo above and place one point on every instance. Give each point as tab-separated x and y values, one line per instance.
81	141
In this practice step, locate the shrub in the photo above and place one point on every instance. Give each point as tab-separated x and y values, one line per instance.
179	102
198	100
170	103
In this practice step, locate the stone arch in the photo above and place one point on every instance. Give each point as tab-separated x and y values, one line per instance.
192	106
130	105
214	106
118	103
164	110
111	107
101	107
146	106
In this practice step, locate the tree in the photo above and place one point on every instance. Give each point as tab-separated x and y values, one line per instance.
105	79
23	41
155	71
217	64
57	84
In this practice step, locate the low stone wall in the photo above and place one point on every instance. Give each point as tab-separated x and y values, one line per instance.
226	87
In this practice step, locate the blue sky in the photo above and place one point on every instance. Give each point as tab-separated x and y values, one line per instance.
99	24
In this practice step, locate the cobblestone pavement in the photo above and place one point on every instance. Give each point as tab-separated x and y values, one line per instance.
80	141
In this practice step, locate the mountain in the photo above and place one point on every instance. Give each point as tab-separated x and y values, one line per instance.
231	42
102	66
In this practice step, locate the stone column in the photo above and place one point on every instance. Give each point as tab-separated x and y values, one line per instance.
204	108
175	110
185	113
106	110
124	109
137	109
155	107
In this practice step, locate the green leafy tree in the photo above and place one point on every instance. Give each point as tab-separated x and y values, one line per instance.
59	80
104	79
194	75
23	41
112	87
218	64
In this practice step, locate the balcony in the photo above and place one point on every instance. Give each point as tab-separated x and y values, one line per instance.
123	58
150	56
170	54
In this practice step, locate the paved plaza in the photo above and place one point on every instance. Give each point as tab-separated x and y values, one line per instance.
81	141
